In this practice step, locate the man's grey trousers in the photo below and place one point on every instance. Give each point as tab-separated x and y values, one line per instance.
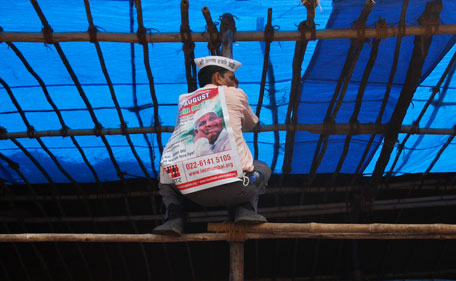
227	195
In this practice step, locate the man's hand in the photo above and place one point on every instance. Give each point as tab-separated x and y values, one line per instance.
199	134
208	134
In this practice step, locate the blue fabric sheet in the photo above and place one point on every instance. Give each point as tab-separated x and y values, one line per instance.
125	63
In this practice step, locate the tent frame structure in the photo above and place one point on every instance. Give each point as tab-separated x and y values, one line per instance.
429	26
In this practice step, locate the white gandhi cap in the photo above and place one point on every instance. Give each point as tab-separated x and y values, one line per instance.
227	63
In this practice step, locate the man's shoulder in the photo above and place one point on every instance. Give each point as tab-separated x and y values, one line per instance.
235	92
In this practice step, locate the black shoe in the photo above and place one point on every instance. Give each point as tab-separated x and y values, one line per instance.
245	214
174	224
173	227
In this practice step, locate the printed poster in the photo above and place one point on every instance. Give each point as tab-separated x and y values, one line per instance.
201	152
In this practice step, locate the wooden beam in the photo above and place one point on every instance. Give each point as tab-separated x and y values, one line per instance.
236	261
227	31
337	129
313	227
263	231
413	30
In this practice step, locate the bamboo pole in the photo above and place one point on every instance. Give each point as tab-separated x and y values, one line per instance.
214	36
341	33
236	261
337	129
268	32
430	16
263	231
393	229
103	238
227	32
435	91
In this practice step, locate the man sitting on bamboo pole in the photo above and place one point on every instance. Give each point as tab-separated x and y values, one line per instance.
224	175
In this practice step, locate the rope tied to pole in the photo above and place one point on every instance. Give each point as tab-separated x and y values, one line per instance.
31	132
46	30
124	128
430	20
302	28
48	34
380	28
329	127
354	127
141	34
214	39
234	232
269	32
64	131
310	21
186	35
93	33
227	23
97	130
401	29
360	27
415	129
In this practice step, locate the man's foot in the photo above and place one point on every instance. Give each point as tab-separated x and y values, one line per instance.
173	227
243	215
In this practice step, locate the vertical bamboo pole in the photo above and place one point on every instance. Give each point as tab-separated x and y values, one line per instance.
214	36
227	29
236	261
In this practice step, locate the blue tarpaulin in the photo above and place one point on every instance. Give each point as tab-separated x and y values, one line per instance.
321	70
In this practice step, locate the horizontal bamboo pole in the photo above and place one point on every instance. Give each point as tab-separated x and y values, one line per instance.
337	129
101	238
391	229
239	36
375	276
264	231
